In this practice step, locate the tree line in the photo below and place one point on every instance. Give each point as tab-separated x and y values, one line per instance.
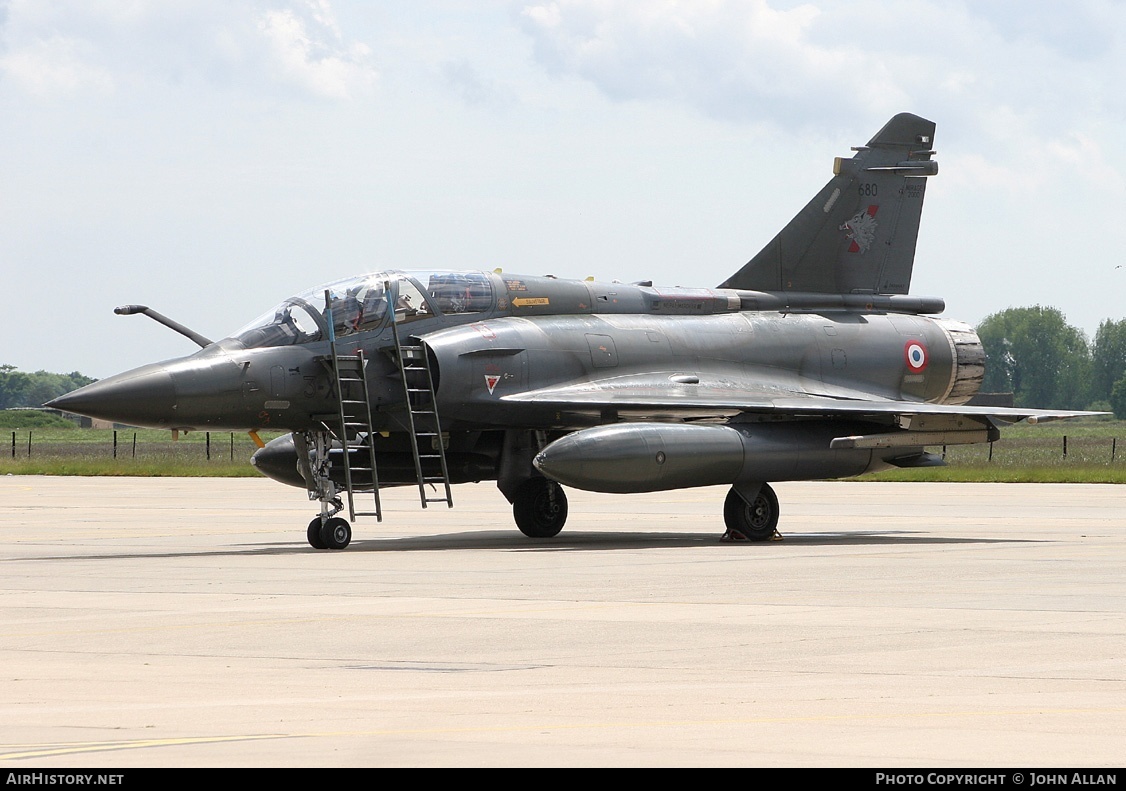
1048	364
21	389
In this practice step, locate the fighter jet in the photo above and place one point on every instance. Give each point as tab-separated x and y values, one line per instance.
812	361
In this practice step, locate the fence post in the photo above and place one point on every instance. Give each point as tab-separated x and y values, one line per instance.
1065	446
13	444
29	443
1113	442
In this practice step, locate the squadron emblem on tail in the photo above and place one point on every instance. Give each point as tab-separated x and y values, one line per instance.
861	229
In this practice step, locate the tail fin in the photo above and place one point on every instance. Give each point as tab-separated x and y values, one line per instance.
858	234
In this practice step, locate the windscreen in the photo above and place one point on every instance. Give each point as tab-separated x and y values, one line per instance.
361	304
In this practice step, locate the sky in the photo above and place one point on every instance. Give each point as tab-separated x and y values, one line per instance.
209	158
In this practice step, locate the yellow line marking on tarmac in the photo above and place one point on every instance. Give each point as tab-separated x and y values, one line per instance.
31	751
131	744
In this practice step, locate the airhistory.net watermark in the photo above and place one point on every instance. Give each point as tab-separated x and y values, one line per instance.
61	779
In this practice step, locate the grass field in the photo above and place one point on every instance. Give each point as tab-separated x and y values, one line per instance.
1095	453
1090	450
140	452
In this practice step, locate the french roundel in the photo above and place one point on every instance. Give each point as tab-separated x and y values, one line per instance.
916	355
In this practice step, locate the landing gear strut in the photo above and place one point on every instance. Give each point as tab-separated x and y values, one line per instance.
756	520
326	531
540	508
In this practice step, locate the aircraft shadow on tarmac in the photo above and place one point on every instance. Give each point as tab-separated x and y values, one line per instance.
602	541
576	541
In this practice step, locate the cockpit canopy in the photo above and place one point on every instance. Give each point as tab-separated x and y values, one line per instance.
360	304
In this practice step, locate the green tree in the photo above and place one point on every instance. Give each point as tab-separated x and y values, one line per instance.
1108	358
19	389
13	387
1118	398
1039	357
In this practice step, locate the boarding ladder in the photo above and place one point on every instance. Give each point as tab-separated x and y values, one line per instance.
355	432
422	419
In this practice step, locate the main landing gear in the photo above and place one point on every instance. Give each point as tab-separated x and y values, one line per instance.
755	519
334	533
540	510
539	507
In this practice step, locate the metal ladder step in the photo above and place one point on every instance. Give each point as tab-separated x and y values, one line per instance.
355	418
418	380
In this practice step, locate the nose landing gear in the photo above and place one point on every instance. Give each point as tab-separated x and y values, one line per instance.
334	533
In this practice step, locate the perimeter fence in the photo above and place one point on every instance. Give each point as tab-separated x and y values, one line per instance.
126	445
237	448
1037	451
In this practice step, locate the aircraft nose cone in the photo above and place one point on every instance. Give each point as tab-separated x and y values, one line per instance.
144	396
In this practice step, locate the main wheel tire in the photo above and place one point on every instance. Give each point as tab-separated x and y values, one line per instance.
336	533
314	534
757	521
540	508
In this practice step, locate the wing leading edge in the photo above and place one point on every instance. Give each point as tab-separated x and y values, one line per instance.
650	396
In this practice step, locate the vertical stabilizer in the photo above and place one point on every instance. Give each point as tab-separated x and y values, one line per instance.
858	234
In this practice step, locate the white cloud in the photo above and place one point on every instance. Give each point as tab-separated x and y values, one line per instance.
58	66
1077	153
802	66
733	60
308	47
754	59
53	49
474	89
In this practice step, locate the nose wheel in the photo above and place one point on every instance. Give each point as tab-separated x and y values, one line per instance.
333	533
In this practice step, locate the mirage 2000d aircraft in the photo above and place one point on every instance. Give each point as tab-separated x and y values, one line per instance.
810	362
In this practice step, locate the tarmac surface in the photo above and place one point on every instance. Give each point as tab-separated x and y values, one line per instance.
186	622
